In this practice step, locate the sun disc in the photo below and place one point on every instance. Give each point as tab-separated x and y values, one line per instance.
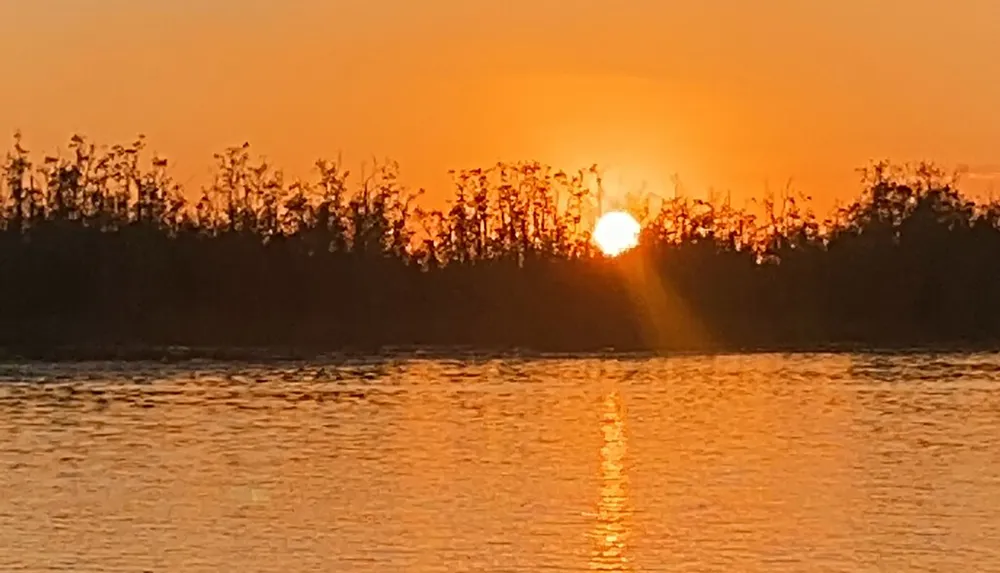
616	232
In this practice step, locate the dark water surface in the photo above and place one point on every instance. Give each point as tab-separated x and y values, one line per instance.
805	463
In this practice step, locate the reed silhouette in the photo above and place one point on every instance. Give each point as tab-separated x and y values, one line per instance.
99	247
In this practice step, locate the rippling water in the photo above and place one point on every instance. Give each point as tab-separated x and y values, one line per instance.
734	463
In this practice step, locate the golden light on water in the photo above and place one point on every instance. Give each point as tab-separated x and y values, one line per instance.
613	525
616	232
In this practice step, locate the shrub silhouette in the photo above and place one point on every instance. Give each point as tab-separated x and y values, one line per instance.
98	246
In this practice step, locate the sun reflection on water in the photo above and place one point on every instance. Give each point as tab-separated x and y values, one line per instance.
613	527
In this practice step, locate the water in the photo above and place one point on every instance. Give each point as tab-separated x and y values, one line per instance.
736	463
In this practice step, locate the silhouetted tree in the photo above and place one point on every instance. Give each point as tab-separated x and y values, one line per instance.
98	246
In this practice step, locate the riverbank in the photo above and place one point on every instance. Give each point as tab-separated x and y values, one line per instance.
180	354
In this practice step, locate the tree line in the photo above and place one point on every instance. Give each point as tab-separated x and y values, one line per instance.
101	246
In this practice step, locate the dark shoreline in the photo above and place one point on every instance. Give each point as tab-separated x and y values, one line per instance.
103	257
235	354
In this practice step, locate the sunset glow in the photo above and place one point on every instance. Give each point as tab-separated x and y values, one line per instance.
608	87
616	232
442	285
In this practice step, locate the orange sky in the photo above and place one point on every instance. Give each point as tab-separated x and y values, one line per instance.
728	94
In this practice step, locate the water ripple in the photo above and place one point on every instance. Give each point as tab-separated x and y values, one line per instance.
839	462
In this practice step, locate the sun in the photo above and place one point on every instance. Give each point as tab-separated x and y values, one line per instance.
616	232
